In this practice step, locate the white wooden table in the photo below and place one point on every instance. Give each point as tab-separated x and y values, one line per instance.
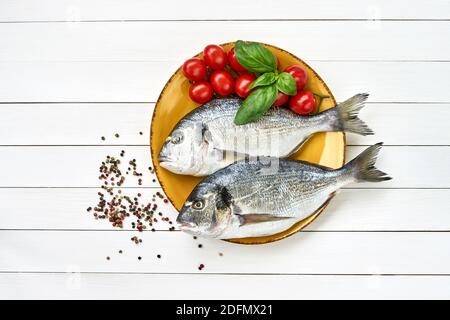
73	71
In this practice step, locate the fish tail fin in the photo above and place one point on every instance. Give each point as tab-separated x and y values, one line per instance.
363	168
348	115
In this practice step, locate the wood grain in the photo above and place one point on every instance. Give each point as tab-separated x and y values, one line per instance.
77	166
351	210
66	10
71	72
304	252
84	124
167	41
201	286
143	81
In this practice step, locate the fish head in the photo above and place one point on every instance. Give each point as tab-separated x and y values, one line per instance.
182	151
207	211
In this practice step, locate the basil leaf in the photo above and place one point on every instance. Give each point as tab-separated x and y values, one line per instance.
263	80
256	104
286	84
255	57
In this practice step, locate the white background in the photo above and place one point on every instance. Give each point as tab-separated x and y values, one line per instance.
73	71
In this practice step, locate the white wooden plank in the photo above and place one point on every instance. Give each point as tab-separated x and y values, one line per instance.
148	286
143	81
405	124
66	208
411	167
362	210
76	124
173	41
69	166
84	124
68	10
317	253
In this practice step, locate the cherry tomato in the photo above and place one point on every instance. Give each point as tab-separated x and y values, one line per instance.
303	102
233	61
194	69
299	74
282	99
215	57
242	84
201	92
222	82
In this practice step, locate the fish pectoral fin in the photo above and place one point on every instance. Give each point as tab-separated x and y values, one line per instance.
253	218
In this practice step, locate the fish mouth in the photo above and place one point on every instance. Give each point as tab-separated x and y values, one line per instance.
185	225
163	158
166	162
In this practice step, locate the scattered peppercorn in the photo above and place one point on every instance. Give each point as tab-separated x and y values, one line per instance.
200	246
115	206
201	266
103	138
136	240
140	132
116	135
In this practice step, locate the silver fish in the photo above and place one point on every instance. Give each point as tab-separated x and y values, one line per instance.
253	198
207	139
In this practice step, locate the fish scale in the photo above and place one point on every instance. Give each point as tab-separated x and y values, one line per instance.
285	190
207	139
258	198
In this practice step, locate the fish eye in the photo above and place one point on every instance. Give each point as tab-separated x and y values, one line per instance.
198	204
177	139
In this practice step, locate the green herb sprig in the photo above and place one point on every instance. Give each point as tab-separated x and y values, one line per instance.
259	60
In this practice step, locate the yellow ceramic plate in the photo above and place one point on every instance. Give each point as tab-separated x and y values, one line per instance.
326	149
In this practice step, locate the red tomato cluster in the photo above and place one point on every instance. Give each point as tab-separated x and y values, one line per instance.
303	102
212	74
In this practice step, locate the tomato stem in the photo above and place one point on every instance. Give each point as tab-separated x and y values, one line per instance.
320	95
231	71
321	98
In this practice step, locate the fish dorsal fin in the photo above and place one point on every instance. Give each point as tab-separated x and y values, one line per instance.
253	218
